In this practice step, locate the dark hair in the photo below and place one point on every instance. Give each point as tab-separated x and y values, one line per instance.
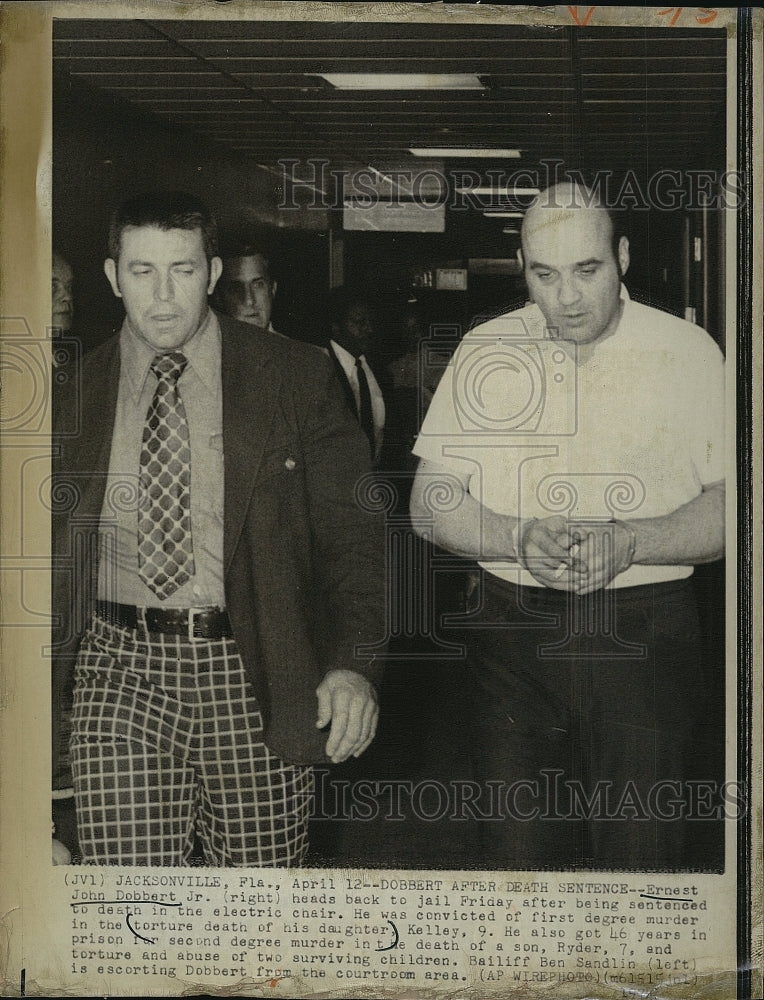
248	250
164	210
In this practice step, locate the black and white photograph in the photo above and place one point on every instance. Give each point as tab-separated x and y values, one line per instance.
384	545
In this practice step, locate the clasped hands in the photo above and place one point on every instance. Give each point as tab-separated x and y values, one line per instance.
576	557
349	702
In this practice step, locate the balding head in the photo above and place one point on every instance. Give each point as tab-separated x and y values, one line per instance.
572	269
557	204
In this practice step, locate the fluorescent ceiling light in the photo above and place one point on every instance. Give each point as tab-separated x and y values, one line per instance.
511	231
403	81
465	153
504	215
498	192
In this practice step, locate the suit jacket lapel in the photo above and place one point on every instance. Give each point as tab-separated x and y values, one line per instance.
250	391
93	443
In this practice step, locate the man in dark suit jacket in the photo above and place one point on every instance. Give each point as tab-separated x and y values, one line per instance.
350	348
215	578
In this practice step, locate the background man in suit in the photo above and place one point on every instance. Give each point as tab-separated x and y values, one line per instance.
62	294
229	574
247	288
353	340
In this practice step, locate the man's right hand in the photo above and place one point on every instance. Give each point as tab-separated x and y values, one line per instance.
544	547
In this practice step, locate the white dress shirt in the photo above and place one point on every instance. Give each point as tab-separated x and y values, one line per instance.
347	360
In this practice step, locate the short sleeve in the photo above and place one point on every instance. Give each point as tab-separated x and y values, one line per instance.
441	430
706	412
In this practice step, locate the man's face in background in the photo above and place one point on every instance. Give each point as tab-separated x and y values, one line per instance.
62	300
357	329
246	290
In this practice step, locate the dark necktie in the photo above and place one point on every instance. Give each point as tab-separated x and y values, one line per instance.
165	550
365	414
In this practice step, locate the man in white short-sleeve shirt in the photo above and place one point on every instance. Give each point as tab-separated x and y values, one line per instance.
581	442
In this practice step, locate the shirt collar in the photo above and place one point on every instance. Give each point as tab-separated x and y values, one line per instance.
344	354
202	350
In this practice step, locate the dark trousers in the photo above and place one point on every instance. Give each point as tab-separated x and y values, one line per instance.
587	725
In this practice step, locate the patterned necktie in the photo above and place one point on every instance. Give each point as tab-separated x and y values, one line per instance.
365	414
165	550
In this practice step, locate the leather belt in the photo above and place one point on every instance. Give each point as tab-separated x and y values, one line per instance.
192	623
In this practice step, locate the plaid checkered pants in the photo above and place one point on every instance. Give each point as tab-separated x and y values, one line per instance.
167	745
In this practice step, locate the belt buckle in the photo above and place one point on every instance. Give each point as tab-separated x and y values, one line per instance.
192	613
